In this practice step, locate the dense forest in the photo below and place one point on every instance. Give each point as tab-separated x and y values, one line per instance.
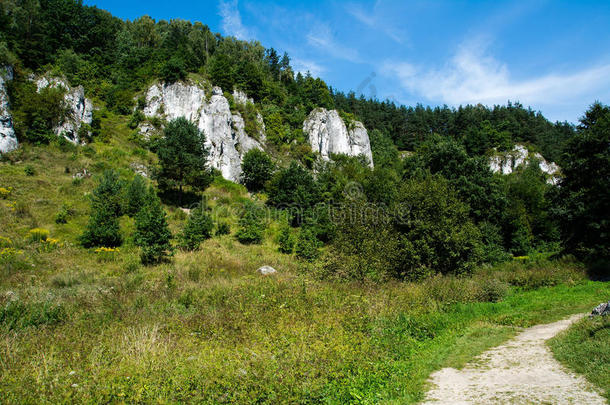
441	209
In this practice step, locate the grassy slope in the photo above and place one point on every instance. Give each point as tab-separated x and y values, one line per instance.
585	348
205	327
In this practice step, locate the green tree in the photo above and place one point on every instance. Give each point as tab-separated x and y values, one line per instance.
251	225
285	239
152	233
307	246
293	187
183	157
136	195
106	204
584	196
257	169
173	70
198	228
221	72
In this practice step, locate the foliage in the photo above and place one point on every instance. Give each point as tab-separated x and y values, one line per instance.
307	245
38	235
251	225
198	228
183	157
285	239
257	169
222	228
152	233
103	228
584	195
173	70
293	187
136	195
585	349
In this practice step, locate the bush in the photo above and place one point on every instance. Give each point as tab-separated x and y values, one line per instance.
197	229
152	232
252	226
62	215
285	240
223	228
173	70
38	235
307	245
29	170
136	195
257	168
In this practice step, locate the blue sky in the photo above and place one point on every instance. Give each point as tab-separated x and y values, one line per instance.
551	55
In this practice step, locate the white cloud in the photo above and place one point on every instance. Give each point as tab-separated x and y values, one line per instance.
473	76
231	20
321	38
304	66
375	21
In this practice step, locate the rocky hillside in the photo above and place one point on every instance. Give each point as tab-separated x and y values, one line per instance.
519	156
8	140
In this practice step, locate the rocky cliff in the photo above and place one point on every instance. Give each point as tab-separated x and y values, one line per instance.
328	134
8	140
507	162
80	108
224	131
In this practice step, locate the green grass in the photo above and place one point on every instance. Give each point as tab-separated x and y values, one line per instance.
77	327
585	349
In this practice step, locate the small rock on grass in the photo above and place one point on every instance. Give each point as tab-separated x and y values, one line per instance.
602	309
266	270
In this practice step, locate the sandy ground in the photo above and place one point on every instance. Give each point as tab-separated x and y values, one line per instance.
521	371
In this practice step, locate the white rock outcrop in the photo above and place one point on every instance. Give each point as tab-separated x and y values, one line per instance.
8	139
328	134
80	108
224	131
507	162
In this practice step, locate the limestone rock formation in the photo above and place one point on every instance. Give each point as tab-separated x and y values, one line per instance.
8	139
80	108
328	134
507	162
224	131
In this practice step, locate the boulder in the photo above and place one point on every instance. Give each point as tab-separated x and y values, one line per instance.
8	139
328	134
602	309
266	270
224	131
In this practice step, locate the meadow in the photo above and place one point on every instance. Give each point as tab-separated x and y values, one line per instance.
87	325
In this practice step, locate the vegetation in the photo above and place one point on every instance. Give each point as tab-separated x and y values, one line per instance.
152	232
257	169
423	261
585	348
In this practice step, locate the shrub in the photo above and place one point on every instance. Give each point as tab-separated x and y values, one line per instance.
62	215
197	229
252	226
223	228
102	229
136	195
29	170
173	70
257	168
152	232
5	192
307	245
38	235
285	239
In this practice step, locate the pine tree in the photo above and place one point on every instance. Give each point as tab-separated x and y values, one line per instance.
136	196
106	203
152	232
285	239
251	226
197	229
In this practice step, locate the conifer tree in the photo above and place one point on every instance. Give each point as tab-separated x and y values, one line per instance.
152	232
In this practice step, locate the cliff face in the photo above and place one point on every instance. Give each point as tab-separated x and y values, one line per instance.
328	134
507	162
8	140
224	131
80	108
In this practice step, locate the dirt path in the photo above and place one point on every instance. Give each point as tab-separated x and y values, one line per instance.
521	371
